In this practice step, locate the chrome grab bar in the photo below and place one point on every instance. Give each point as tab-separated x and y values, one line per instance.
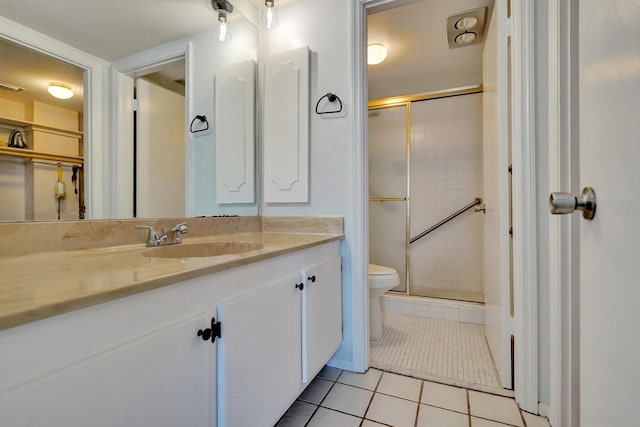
477	201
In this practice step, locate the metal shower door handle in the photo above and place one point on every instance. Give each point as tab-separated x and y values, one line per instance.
564	203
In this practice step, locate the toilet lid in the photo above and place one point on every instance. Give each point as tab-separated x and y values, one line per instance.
380	270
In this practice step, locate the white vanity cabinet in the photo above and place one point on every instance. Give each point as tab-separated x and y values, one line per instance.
113	365
139	361
274	341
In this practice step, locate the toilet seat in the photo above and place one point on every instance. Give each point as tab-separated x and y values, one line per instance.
382	277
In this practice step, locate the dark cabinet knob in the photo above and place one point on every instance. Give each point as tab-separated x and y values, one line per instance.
205	334
312	278
215	331
300	286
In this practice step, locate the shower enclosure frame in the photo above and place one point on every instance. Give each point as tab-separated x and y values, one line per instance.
406	101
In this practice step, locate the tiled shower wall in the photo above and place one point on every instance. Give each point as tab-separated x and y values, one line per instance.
446	174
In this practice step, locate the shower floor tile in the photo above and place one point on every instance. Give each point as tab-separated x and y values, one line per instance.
453	352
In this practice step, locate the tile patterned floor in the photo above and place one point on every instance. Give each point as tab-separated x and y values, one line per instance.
338	398
432	349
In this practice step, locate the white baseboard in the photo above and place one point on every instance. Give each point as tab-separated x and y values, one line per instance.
434	308
345	365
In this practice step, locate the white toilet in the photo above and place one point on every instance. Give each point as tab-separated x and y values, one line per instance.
381	279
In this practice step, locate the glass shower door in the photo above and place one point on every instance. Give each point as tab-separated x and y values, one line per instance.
388	189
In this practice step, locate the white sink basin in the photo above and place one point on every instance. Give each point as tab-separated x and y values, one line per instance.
203	249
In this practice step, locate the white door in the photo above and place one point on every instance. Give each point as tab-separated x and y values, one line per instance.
321	315
609	146
496	191
259	354
160	152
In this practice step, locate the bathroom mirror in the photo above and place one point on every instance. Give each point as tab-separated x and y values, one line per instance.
207	57
41	137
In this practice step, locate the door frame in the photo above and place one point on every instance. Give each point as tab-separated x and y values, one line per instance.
122	81
525	321
564	405
97	158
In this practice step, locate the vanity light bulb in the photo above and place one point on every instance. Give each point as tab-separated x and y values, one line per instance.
223	32
269	17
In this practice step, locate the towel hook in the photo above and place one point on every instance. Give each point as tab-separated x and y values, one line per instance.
331	97
203	119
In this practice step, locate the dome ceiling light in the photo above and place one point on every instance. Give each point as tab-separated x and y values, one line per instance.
60	91
467	28
376	53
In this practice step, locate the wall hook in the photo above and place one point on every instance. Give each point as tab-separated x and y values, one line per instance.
203	119
331	97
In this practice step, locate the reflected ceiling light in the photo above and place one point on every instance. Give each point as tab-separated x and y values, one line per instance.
268	17
466	38
223	8
376	53
467	23
60	91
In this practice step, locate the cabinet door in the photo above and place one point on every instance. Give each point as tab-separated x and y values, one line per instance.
286	127
322	316
235	133
259	366
160	379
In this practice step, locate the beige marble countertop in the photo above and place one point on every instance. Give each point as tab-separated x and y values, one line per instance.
40	285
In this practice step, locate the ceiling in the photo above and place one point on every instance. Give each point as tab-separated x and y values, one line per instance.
419	59
34	71
109	30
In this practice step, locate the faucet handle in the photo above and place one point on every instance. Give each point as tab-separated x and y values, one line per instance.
152	239
180	228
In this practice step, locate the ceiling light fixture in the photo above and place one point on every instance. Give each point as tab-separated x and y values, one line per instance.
268	17
223	8
376	53
60	91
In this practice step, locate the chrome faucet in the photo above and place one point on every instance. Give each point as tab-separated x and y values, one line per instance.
171	238
152	238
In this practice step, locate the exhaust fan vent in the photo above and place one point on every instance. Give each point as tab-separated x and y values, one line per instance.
467	28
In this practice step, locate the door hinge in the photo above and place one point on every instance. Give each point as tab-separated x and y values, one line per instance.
211	333
510	231
510	169
135	104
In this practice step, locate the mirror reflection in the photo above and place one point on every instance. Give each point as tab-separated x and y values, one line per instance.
169	172
41	137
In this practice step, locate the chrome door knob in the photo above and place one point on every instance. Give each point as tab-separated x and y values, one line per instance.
564	203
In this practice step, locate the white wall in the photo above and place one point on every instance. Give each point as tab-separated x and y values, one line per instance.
324	26
12	188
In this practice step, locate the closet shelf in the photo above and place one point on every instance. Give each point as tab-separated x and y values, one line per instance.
27	123
31	154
